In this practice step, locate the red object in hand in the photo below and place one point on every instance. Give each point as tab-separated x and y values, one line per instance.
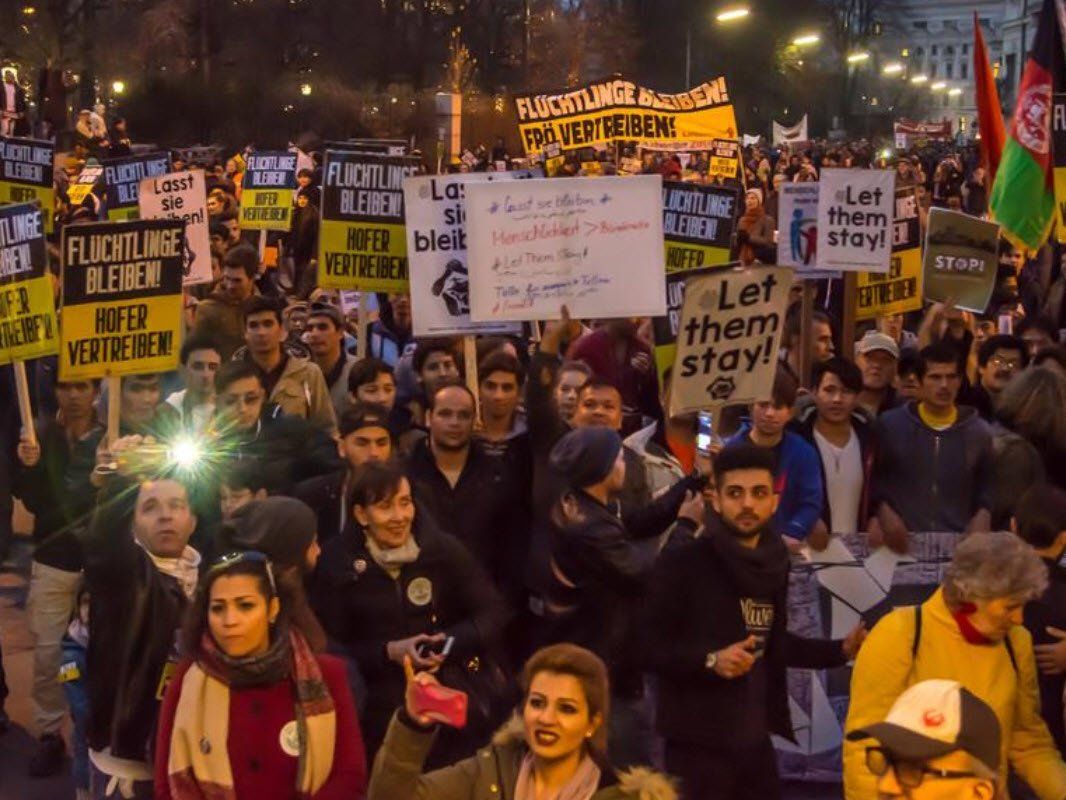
440	704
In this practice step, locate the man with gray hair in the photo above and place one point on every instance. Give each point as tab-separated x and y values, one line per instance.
970	631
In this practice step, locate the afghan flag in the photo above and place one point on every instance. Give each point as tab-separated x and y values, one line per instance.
989	111
1023	195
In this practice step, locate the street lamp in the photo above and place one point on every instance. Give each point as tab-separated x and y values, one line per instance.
954	92
895	68
938	86
305	89
807	39
731	14
858	58
29	11
118	87
919	79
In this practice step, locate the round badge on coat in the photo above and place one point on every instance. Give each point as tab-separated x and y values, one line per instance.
420	591
289	739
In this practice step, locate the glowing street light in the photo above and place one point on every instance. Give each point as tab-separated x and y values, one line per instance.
807	39
858	58
29	11
118	87
938	86
731	14
954	92
919	79
305	89
895	68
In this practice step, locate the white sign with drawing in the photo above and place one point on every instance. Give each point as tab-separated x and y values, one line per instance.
593	244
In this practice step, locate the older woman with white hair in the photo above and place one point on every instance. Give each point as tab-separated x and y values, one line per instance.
969	631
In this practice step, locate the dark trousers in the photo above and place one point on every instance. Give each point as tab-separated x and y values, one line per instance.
724	774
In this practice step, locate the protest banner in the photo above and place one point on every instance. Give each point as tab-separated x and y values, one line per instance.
383	147
182	195
855	210
729	335
122	298
26	175
362	243
595	244
828	593
80	189
1058	155
267	191
618	110
961	259
437	256
900	289
123	176
784	135
28	326
698	224
725	159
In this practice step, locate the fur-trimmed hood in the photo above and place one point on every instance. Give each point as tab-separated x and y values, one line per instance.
639	783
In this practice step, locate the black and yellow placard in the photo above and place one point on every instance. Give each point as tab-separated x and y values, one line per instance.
26	174
267	190
725	159
27	307
900	289
619	110
122	304
1058	154
698	223
123	176
362	243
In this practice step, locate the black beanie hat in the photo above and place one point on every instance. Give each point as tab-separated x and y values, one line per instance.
281	527
586	455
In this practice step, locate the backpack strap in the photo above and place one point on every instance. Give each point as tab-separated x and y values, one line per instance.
918	632
1010	652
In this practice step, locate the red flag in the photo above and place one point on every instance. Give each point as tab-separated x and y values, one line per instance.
989	112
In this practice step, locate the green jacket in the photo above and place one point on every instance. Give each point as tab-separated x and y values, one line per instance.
489	775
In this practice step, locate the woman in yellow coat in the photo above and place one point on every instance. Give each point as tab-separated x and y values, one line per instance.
969	631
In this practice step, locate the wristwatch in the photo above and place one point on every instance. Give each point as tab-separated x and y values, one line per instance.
712	660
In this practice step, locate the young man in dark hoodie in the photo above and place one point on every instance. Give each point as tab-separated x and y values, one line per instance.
1040	521
716	634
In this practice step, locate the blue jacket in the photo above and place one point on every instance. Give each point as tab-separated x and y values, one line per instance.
797	481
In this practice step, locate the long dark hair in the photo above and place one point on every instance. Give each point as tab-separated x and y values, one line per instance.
246	563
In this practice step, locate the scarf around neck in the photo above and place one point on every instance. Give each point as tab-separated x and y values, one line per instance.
393	559
198	765
582	786
760	571
185	569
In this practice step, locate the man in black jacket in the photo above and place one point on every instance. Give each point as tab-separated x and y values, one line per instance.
717	636
140	573
364	439
58	493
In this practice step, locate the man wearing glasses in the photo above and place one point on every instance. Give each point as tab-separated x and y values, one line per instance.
938	741
999	358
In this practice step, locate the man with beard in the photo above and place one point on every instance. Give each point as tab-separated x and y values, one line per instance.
716	634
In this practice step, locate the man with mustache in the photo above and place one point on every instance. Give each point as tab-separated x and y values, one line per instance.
716	635
999	358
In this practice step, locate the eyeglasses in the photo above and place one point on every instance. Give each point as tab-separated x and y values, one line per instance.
227	560
910	774
999	361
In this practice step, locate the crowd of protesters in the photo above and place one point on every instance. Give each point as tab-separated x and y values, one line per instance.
346	540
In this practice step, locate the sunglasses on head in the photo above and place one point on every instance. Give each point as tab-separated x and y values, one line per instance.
228	560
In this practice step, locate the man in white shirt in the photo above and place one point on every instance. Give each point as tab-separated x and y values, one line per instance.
842	437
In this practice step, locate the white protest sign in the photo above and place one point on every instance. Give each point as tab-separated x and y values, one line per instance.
595	244
797	230
436	255
727	342
855	212
182	195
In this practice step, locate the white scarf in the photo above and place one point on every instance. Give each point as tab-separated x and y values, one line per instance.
185	569
392	559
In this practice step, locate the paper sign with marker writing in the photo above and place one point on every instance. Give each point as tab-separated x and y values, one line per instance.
182	195
961	259
595	244
729	336
122	302
27	309
855	212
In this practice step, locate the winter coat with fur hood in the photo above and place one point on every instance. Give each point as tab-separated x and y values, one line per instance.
491	774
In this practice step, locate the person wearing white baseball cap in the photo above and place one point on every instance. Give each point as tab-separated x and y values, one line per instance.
938	741
877	355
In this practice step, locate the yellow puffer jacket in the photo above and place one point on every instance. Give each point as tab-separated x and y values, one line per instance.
885	668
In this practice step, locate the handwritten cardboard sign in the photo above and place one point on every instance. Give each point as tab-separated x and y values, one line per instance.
595	244
855	219
728	339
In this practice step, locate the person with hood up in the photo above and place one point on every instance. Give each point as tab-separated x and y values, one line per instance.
554	746
755	230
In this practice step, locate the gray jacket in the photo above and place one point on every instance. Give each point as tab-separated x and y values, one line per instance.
935	480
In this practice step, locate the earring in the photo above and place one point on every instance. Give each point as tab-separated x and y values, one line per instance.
589	734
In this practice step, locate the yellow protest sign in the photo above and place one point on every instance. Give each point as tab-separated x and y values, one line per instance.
620	110
725	159
28	326
900	289
26	174
362	240
122	303
267	191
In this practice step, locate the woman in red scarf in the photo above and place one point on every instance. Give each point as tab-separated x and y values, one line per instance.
254	711
755	231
